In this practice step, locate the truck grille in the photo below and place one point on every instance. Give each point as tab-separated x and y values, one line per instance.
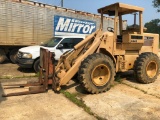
19	54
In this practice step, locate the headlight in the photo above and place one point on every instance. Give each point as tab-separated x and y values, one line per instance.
26	55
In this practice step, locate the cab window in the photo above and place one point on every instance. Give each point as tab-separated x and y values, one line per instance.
69	43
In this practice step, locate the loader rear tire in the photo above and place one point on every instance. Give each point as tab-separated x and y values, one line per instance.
96	73
147	68
2	56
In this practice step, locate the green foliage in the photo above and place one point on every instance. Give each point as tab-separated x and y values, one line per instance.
133	26
78	102
118	78
153	26
156	4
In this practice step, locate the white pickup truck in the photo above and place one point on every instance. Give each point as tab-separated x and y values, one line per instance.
28	57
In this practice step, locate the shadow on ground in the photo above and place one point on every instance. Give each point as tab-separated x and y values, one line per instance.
6	61
25	70
1	92
74	85
129	76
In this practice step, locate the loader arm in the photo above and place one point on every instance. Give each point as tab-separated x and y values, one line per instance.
66	68
69	63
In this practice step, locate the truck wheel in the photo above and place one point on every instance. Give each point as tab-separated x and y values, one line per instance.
146	68
96	73
2	56
12	55
36	65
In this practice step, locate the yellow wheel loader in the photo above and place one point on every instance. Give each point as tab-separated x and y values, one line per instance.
104	53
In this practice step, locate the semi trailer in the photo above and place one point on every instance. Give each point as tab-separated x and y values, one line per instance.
25	23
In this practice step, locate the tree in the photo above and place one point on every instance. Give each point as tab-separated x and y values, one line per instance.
156	4
153	26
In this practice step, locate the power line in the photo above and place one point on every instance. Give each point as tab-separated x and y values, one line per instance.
57	2
61	3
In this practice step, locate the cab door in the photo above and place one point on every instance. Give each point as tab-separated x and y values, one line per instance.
65	45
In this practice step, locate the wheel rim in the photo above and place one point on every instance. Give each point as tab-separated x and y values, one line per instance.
100	75
151	69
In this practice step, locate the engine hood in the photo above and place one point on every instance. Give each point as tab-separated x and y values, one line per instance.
30	49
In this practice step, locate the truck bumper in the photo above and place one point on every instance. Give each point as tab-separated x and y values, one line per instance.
25	63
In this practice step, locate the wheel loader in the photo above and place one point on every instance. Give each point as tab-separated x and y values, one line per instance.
102	54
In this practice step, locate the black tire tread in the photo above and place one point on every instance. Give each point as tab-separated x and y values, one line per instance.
12	55
139	67
87	63
36	64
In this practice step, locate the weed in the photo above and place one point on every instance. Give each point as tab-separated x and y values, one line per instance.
145	92
118	78
11	77
80	103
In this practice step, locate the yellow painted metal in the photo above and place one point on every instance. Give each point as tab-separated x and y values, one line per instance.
88	38
122	46
122	8
151	69
73	70
100	75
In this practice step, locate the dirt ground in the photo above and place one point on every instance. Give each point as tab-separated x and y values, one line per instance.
9	70
126	100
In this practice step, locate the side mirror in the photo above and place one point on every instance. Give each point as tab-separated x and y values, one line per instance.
60	46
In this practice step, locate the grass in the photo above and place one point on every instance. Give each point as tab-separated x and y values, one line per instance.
24	76
11	77
118	78
145	92
80	103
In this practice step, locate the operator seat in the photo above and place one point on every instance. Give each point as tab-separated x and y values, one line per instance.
119	38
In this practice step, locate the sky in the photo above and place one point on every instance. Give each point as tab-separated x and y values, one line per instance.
91	6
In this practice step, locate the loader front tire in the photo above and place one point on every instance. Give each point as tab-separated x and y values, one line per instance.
147	68
96	73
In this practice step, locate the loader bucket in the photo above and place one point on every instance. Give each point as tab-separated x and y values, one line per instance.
46	77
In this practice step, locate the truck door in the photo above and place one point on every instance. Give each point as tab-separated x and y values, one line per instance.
65	45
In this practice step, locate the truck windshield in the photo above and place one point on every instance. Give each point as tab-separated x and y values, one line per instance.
52	42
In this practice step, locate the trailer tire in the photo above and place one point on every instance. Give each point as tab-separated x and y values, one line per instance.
96	73
12	55
36	65
2	56
147	68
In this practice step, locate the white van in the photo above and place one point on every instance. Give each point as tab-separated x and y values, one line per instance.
28	57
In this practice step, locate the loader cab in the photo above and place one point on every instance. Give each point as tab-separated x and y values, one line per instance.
130	38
